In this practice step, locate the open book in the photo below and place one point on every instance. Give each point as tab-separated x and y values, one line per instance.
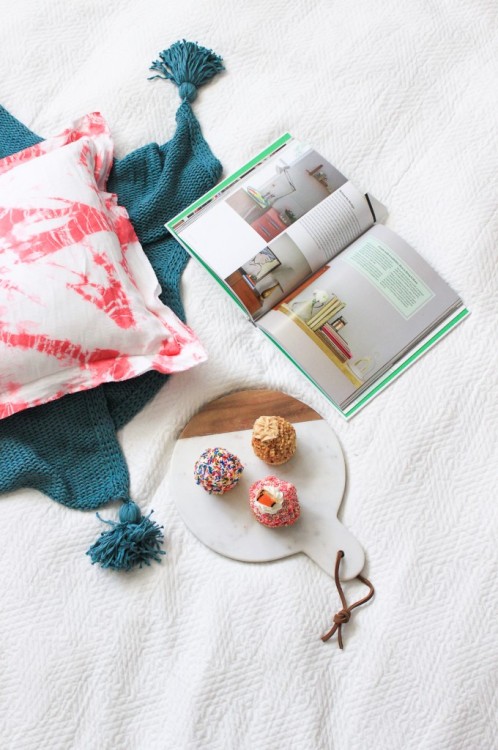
301	250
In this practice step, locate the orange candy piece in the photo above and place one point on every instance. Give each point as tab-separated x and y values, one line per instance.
266	499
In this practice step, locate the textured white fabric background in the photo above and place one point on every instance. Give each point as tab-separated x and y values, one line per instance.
202	652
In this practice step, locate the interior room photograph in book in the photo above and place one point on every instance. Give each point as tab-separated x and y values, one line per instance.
269	276
349	322
285	189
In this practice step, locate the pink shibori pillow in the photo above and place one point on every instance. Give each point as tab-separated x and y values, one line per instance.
79	300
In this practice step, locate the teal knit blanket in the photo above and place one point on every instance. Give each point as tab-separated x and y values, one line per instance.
68	448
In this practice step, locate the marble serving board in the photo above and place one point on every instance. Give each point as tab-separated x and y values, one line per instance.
225	523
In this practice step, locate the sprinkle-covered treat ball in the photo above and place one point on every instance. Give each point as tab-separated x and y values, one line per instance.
273	440
274	502
217	470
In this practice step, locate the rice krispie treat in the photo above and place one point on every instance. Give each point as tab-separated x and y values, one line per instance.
274	502
217	470
273	440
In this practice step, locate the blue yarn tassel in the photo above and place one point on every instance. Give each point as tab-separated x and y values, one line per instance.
135	540
189	65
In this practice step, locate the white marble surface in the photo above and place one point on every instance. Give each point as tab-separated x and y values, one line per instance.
225	523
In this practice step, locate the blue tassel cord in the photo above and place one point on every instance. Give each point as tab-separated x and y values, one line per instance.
189	65
134	541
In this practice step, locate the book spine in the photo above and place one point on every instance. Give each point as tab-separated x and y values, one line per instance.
330	345
323	311
328	331
319	319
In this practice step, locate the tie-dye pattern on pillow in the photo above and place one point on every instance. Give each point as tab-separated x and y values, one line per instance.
79	300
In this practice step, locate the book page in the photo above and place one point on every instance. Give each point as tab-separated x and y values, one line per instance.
355	317
332	225
275	225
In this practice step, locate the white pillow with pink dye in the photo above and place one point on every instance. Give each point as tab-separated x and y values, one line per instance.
79	300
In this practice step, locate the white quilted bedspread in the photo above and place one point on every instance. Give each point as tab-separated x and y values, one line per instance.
203	652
